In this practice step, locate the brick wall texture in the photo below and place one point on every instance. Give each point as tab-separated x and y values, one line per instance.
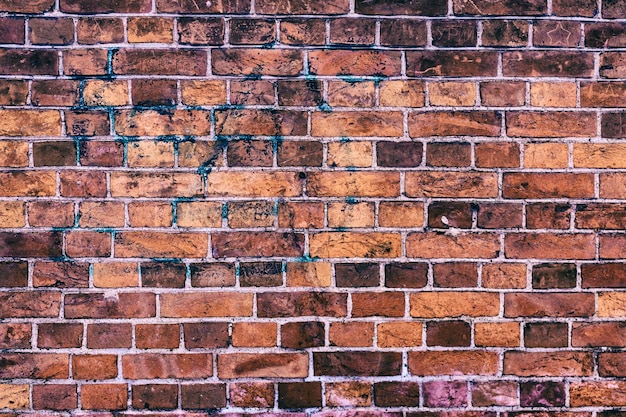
313	208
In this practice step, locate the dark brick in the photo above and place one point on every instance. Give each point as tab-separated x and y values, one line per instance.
357	275
154	92
301	7
13	274
261	274
300	335
451	33
26	6
13	92
614	125
159	62
352	31
605	35
455	275
454	154
508	33
201	31
155	396
105	154
612	275
96	305
406	275
547	64
399	154
542	394
548	216
300	153
613	9
51	31
454	333
457	214
106	6
300	93
252	31
205	335
499	216
556	33
83	123
299	394
397	394
356	363
582	8
206	7
28	62
15	336
25	245
12	30
109	335
407	7
547	276
60	335
303	31
163	275
545	335
212	274
402	32
54	153
55	397
301	304
203	396
247	153
501	8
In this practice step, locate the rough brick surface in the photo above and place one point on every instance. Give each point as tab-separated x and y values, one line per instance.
313	208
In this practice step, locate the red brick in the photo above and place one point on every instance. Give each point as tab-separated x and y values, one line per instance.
548	216
55	397
549	246
306	31
96	30
15	336
384	304
292	304
154	92
508	7
451	64
477	362
454	123
556	364
29	62
547	185
550	124
206	335
161	62
100	305
155	396
106	6
464	245
260	122
109	335
30	304
549	304
104	396
257	244
153	365
609	275
605	334
255	365
198	304
337	62
41	244
94	367
60	335
257	61
83	184
32	7
455	275
356	363
547	64
12	30
34	365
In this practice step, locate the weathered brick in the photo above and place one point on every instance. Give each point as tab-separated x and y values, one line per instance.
357	184
305	31
454	123
157	336
612	246
55	397
351	215
497	155
59	335
356	63
605	35
547	185
508	7
257	244
94	366
148	184
99	30
14	396
548	216
557	363
51	31
217	7
348	393
351	94
31	7
252	394
479	362
85	62
490	393
609	334
598	393
155	396
445	394
29	62
463	245
104	396
547	335
506	33
277	62
585	8
87	123
604	275
504	275
549	246
153	123
154	92
109	335
448	333
54	93
254	365
212	274
542	394
356	363
441	154
547	64
451	64
351	31
352	244
357	123
301	7
556	33
15	336
34	365
546	276
150	30
454	304
412	7
550	124
612	185
14	153
549	305
197	304
103	305
41	244
30	122
302	304
455	274
154	365
83	184
502	334
203	396
260	122
353	334
206	335
160	61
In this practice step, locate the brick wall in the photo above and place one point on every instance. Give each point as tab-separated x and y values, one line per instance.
340	208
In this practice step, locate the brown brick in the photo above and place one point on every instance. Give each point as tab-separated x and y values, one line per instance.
476	362
101	214
30	304
200	31
12	30
454	123
30	123
464	245
15	336
454	304
212	275
503	334
260	122
155	396
54	93
99	305
106	6
255	365
384	304
548	216
352	31
454	33
598	393
205	335
300	335
109	336
51	31
504	275
444	214
29	62
557	364
254	334
553	94
402	32
406	275
612	9
34	7
348	393
94	366
150	214
252	394
85	62
160	245
497	155
499	216
154	92
13	92
306	31
545	185
252	31
92	123
605	35
302	304
609	275
508	7
41	244
299	394
150	30
547	64
54	153
547	276
549	305
159	61
412	7
257	244
455	275
55	397
154	365
549	246
357	275
34	366
456	154
584	8
104	396
215	304
503	93
31	184
550	124
600	216
260	274
60	335
351	94
357	123
300	214
349	154
507	33
352	244
448	333
561	33
203	396
252	92
147	184
189	6
61	274
163	275
608	334
157	336
546	335
300	153
256	61
356	363
451	64
613	125
97	30
354	334
83	184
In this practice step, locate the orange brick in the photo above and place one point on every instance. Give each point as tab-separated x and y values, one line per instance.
612	304
550	124
613	185
400	214
546	155
598	394
150	30
550	94
250	214
451	184
336	62
353	184
106	93
199	214
399	334
408	93
463	245
160	245
147	184
547	185
357	123
116	274
300	214
351	94
454	304
203	92
30	123
153	123
12	214
499	334
351	214
504	275
257	184
257	334
13	154
455	123
450	93
477	362
150	214
215	304
350	245
254	365
308	274
150	154
599	155
351	334
104	396
350	154
101	214
549	246
548	363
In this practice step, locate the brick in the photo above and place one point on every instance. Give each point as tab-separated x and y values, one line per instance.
499	216
12	214
557	363
316	274
559	33
502	334
351	94
612	9
306	31
199	214
257	244
547	64
505	33
41	244
549	94
254	365
197	304
159	62
412	7
611	304
350	214
14	154
97	30
464	245
212	275
455	154
84	244
349	393
260	122
15	336
160	245
250	153
357	123
549	246
605	35
252	394
54	93
200	31
455	275
252	92
611	364
497	155
406	275
155	396
454	123
444	214
353	184
599	155
300	153
60	335
256	61
356	363
83	184
448	333
299	394
356	63
509	7
205	335
351	244
490	393
51	213
548	216
451	64
546	155
109	336
609	334
351	31
402	32
399	334
547	185
503	93
396	394
153	365
609	275
52	31
85	62
612	185
14	396
546	276
12	30
34	366
203	396
104	396
542	394
585	8
30	123
94	366
300	214
301	7
598	393
384	304
55	397
548	304
100	305
546	335
600	216
452	93
299	93
157	336
445	393
353	334
613	126
154	92
247	334
31	7
106	93
479	362
146	184
252	31
250	214
505	275
260	274
409	93
218	7
357	275
302	303
399	214
151	123
91	123
150	30
113	275
101	214
150	214
107	6
447	304
29	62
550	124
